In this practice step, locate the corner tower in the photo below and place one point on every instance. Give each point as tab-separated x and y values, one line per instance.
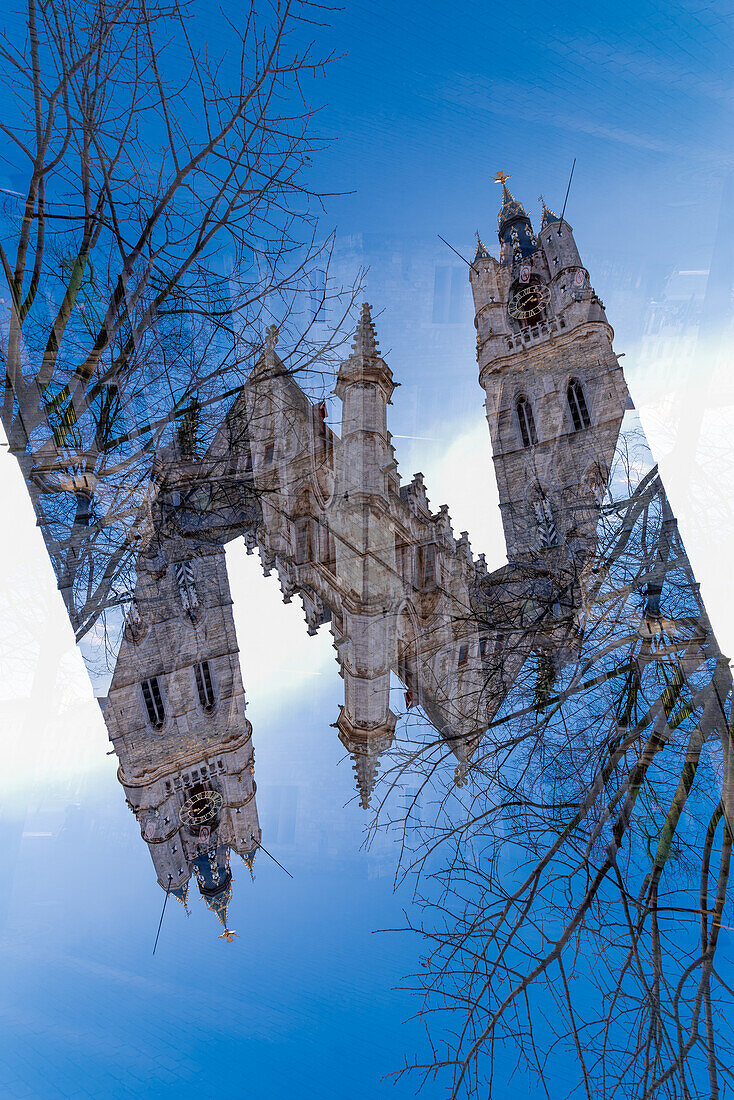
555	393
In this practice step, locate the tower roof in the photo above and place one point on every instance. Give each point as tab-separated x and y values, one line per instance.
215	883
181	893
481	253
513	222
510	208
548	215
249	859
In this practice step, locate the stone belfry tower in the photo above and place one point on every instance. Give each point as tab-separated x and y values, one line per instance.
555	393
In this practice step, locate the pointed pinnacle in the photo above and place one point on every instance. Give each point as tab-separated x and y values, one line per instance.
366	765
481	252
365	338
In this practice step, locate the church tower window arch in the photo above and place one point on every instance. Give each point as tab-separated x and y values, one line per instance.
577	405
526	421
153	699
205	686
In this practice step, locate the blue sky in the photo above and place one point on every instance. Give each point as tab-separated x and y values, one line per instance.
428	103
432	99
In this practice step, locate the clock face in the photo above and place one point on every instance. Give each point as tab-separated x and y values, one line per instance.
200	809
528	303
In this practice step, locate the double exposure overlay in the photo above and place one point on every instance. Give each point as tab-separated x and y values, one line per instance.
540	751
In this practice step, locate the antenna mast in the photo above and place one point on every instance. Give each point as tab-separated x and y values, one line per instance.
568	189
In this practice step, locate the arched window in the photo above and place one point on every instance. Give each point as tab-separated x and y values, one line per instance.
153	702
204	686
526	421
577	405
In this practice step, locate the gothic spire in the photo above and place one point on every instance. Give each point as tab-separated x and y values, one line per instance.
215	884
218	903
364	359
365	338
513	223
510	208
366	764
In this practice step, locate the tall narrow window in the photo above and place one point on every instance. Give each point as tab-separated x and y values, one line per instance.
304	540
326	546
426	565
204	686
324	438
153	702
526	421
577	405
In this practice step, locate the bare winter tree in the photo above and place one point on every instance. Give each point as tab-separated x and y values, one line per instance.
160	220
574	893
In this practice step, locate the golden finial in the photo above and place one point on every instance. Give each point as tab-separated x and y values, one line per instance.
502	178
228	934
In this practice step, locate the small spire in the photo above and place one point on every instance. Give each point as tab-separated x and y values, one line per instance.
248	858
181	893
366	765
547	216
219	904
513	223
481	253
365	338
510	208
502	178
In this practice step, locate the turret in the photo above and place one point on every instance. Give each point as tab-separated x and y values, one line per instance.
555	393
364	385
365	553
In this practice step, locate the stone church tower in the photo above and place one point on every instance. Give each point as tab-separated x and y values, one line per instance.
175	714
555	393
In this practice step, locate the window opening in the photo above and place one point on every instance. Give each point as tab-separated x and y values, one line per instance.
426	565
304	541
577	405
527	422
153	702
204	686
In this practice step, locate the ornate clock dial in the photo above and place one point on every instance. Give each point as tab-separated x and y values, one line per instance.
528	303
200	808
